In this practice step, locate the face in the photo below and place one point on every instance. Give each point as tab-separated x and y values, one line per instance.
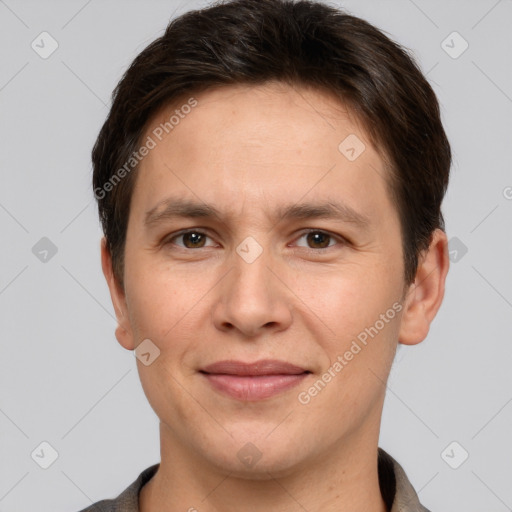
292	253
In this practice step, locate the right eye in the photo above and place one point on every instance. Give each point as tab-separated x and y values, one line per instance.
191	239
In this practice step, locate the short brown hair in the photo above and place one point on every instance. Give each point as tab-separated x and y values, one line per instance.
301	43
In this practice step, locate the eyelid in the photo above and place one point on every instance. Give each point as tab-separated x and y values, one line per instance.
204	231
341	240
200	231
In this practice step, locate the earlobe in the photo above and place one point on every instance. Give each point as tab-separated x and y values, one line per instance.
425	295
123	330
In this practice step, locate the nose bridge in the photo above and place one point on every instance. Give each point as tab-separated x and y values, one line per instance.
250	279
250	299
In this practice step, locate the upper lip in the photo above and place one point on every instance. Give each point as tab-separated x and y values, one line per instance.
262	367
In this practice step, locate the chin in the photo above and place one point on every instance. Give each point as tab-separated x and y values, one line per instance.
260	459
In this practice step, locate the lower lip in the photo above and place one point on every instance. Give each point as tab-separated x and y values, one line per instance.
252	388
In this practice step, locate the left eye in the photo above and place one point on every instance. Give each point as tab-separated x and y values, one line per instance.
319	239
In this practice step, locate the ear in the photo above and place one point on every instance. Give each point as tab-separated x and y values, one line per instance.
124	333
424	296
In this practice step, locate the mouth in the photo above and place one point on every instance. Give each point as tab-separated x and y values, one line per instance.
253	381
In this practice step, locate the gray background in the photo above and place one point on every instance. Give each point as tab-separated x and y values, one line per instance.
63	377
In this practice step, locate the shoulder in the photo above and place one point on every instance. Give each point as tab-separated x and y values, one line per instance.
396	489
102	506
128	500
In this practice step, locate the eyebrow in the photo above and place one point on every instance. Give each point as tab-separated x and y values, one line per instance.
172	208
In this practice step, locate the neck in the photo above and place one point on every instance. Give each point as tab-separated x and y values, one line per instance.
345	480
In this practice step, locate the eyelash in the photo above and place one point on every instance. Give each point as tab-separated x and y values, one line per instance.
341	241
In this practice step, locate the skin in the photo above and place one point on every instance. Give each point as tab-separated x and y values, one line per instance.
248	151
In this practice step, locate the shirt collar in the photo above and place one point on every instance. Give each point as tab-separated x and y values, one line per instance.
396	489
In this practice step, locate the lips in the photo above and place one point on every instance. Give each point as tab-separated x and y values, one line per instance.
263	367
253	381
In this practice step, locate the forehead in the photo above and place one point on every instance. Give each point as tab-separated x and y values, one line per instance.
257	145
261	110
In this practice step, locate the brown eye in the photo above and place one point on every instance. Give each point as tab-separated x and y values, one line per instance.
318	239
194	238
189	240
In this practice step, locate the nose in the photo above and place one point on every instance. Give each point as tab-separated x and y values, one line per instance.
252	299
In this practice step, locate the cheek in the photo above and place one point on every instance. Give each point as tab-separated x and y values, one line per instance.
156	297
351	297
169	303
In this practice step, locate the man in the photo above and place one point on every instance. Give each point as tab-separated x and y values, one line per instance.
269	181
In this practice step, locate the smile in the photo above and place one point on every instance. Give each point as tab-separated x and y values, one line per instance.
253	381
